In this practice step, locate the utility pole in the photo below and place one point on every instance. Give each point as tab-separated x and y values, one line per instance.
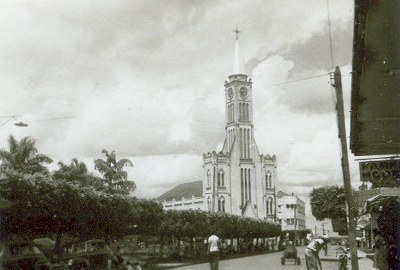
295	219
295	225
336	82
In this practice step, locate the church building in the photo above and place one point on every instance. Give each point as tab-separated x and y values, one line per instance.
238	179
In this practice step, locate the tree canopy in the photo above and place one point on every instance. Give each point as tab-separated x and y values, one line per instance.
329	202
77	173
197	223
40	206
23	157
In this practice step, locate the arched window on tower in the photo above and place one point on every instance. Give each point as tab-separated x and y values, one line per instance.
270	210
208	178
221	180
221	204
242	186
249	179
271	206
268	183
270	180
209	204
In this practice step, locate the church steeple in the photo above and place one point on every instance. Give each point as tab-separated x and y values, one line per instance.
238	67
239	108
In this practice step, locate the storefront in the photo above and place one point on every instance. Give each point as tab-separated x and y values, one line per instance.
384	212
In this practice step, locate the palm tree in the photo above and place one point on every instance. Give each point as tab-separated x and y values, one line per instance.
23	157
114	177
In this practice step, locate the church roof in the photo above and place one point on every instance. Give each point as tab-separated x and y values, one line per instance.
280	194
186	190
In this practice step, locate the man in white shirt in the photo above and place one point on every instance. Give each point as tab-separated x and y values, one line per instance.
213	249
312	250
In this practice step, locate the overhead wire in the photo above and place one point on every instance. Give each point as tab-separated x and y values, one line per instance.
298	80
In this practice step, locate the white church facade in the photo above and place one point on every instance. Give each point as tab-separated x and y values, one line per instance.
238	179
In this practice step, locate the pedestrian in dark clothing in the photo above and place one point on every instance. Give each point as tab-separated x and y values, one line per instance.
380	254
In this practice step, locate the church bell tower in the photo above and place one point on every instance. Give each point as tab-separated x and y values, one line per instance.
238	179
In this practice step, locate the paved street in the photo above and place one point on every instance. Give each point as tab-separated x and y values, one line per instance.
270	262
267	261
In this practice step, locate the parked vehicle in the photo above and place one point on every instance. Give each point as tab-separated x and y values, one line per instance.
290	253
19	254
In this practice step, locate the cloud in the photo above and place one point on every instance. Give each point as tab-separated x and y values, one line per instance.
146	79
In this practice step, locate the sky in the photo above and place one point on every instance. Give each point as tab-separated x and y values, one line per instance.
146	79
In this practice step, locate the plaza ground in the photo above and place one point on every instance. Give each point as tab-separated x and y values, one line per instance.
272	261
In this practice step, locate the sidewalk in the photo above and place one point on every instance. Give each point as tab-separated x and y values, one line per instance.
364	263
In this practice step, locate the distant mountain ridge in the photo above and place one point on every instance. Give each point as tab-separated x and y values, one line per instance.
186	190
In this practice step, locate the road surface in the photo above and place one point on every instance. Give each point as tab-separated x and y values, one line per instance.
270	261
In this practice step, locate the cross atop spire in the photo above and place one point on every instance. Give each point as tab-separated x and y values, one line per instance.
238	67
237	32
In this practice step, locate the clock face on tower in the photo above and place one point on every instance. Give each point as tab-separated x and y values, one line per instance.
243	92
230	93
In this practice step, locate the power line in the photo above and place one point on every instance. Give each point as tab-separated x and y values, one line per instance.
298	80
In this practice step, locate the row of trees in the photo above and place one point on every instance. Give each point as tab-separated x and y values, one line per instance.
73	201
196	223
41	205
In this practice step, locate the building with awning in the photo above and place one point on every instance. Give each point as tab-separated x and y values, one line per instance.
375	114
380	211
372	204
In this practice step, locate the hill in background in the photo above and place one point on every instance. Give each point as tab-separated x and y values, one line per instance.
186	190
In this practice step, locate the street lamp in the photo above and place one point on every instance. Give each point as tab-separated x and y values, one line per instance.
21	124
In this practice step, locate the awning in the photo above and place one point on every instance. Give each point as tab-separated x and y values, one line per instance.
376	200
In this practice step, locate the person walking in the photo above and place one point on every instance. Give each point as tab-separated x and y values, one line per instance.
312	252
213	251
380	251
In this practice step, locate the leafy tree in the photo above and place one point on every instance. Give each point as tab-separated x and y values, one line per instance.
150	215
42	206
77	173
114	176
23	157
329	202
